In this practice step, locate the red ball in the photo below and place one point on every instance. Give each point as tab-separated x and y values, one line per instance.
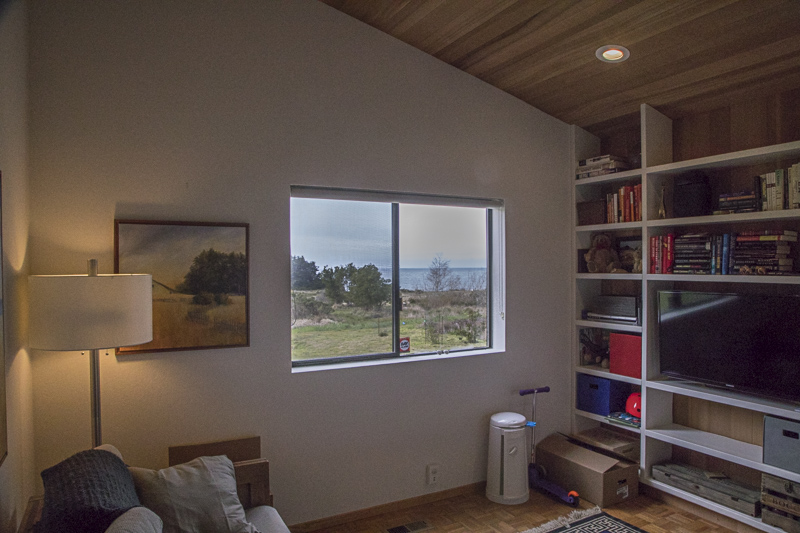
634	405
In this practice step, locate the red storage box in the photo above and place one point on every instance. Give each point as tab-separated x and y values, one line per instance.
625	355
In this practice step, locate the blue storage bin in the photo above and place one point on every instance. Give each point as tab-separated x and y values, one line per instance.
601	396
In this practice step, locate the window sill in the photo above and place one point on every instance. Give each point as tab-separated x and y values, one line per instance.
396	360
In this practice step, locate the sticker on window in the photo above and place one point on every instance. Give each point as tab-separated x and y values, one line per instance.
405	344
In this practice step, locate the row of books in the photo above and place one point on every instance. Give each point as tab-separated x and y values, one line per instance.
748	252
779	189
772	191
739	202
624	205
773	187
600	166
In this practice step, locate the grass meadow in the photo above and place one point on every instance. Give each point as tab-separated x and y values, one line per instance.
348	330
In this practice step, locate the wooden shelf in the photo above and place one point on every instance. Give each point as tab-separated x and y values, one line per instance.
758	216
754	156
729	397
617	226
610	178
599	418
730	278
708	504
614	326
635	277
741	453
594	370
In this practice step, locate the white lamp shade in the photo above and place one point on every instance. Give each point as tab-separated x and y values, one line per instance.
90	312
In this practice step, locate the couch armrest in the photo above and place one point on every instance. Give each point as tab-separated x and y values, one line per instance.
252	482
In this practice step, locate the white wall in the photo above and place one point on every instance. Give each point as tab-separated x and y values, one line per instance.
17	471
209	111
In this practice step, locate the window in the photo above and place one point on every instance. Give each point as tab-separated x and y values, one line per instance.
383	276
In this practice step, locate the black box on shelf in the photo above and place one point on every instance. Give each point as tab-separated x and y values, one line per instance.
782	443
600	396
691	196
591	212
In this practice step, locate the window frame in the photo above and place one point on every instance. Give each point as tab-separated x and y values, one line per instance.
495	243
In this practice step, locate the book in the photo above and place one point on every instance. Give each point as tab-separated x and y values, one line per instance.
682	270
741	195
760	255
763	238
779	189
600	159
762	246
653	245
669	254
769	232
601	166
762	261
594	173
770	191
726	250
691	247
737	202
794	186
659	254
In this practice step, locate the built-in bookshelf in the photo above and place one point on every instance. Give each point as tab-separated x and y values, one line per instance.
662	434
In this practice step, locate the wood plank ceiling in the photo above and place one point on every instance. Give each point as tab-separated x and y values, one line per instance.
687	56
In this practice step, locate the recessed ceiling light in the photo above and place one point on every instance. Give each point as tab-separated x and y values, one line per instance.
612	53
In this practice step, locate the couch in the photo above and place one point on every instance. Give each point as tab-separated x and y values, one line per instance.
203	489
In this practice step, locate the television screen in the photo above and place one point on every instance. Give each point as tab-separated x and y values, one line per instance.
747	342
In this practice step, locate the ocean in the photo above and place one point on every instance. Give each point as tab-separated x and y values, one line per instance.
412	279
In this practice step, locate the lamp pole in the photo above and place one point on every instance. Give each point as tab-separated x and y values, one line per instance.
94	372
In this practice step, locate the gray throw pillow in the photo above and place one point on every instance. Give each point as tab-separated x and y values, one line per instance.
198	496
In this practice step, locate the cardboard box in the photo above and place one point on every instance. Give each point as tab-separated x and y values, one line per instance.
621	444
782	443
597	478
625	355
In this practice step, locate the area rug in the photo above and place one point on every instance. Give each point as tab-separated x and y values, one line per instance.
586	521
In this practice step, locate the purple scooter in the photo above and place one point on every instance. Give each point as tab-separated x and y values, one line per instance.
536	474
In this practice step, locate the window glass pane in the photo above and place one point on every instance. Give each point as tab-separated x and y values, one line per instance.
443	278
341	278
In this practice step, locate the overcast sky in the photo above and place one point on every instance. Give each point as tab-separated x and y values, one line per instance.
338	232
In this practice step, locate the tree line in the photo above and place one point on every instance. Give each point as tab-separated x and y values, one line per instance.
365	287
359	286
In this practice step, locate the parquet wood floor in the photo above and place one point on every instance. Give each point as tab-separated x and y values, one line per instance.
474	513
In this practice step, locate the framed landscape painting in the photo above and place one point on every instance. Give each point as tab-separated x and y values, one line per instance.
200	281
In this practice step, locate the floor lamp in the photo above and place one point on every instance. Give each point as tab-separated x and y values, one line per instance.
93	312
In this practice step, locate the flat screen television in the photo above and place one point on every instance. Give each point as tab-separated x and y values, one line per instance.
745	342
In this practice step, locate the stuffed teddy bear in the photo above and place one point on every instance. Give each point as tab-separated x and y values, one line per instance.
601	257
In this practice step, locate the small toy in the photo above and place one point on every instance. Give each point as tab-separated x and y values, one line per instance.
634	405
537	476
601	257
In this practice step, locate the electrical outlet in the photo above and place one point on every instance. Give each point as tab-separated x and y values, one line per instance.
432	474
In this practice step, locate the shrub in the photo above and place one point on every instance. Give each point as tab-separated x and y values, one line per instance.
203	298
222	299
304	306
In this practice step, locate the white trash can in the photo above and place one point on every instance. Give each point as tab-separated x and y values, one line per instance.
507	478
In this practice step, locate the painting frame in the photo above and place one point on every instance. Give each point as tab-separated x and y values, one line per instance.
203	311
